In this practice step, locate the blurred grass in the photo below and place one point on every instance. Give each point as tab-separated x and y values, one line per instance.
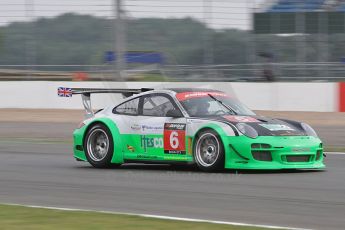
18	217
149	77
36	140
334	149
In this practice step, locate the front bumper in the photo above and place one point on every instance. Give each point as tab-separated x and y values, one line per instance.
274	152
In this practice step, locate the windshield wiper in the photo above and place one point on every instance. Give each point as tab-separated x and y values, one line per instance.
220	102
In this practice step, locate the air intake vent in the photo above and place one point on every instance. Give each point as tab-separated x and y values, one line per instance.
79	147
302	158
265	146
260	145
255	146
318	154
262	155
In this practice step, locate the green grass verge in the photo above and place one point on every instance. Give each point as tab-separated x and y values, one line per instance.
23	140
14	217
334	149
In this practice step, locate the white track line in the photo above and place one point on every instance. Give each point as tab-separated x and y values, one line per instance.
335	153
161	217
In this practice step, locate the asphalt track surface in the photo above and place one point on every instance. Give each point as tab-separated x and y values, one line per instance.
36	173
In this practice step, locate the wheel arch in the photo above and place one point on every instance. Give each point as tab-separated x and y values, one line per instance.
117	153
220	133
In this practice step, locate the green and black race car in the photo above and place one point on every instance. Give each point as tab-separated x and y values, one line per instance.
182	125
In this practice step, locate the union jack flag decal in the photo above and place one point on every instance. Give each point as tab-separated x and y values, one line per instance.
64	92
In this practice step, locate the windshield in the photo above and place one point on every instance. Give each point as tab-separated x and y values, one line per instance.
207	105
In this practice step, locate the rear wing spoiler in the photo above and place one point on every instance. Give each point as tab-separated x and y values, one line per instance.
86	95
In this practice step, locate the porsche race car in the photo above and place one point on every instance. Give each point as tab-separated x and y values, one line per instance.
193	126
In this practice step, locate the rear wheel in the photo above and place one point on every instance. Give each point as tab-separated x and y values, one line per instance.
99	146
209	151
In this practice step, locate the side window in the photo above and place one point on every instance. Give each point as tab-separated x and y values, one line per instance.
129	107
156	106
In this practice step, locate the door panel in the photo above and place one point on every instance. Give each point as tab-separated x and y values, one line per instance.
150	135
163	138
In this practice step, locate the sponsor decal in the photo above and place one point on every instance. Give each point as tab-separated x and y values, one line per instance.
135	127
130	148
143	156
174	138
151	128
175	157
289	133
64	92
192	121
300	149
247	119
151	142
190	147
188	95
277	127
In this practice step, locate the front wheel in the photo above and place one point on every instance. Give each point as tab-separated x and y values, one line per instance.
209	151
99	146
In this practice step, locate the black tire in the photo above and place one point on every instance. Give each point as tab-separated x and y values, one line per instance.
99	146
208	151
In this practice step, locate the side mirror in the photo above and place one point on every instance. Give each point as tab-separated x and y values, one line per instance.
174	113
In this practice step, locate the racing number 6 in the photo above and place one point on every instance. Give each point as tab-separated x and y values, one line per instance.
174	138
174	143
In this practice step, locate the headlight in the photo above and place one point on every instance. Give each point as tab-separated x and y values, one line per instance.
247	130
309	130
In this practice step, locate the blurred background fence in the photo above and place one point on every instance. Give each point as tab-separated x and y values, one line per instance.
173	40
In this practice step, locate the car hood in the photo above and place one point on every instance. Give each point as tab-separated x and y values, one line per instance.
266	126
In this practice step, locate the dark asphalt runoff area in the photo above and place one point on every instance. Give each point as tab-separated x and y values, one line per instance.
37	168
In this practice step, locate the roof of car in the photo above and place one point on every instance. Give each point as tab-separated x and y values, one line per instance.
181	90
